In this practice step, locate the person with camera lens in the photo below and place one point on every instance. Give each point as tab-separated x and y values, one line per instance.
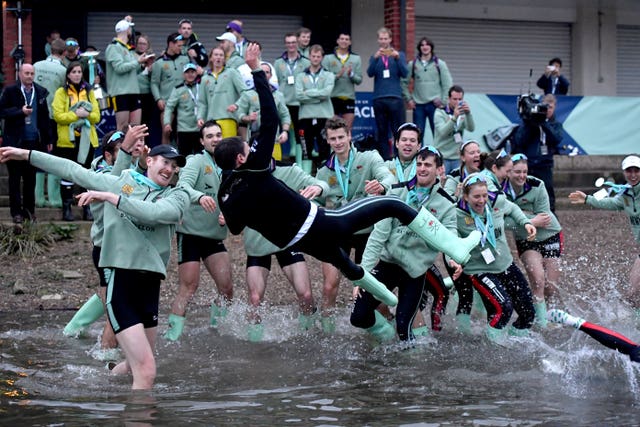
539	137
552	82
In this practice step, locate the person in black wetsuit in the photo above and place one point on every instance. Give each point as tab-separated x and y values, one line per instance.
250	196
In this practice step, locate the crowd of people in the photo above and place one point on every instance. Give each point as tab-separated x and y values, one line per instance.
216	168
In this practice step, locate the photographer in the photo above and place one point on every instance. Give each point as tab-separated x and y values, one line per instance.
552	82
538	138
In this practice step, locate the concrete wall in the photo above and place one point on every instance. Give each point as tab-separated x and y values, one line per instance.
593	22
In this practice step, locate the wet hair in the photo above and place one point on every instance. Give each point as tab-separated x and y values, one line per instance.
208	124
497	158
227	152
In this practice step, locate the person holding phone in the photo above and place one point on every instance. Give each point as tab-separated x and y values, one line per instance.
450	123
552	81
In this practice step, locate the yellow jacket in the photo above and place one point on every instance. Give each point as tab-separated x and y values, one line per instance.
64	116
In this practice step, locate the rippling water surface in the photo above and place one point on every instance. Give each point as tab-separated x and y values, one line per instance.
557	376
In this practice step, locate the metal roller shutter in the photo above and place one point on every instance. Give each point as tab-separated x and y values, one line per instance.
490	56
269	30
628	61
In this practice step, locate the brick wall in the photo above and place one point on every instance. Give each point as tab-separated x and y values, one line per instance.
392	20
10	39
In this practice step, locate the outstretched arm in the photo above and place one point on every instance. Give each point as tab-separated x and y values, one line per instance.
262	147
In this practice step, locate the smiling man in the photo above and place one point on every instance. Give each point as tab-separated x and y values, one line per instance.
140	215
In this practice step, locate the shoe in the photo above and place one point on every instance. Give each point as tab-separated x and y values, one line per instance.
90	311
515	332
421	331
86	214
560	316
255	332
541	314
328	324
382	330
463	323
17	219
306	321
176	325
216	313
496	336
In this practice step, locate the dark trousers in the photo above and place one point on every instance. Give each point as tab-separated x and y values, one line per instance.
390	114
421	114
21	200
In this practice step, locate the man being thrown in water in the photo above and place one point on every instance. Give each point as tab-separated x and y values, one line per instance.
250	196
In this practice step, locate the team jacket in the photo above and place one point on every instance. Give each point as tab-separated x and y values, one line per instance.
217	92
201	177
166	74
313	92
532	199
122	69
629	202
182	100
395	243
286	72
430	81
500	208
345	85
138	231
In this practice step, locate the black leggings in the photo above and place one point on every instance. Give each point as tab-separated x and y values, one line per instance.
409	291
435	286
502	293
612	339
331	227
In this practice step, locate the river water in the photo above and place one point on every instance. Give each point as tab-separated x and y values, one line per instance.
557	376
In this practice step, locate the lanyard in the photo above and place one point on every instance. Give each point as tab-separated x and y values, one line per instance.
194	98
29	101
344	184
385	61
486	228
291	66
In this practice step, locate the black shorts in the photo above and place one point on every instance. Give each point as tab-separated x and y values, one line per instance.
95	254
195	248
550	248
343	106
285	258
132	298
130	102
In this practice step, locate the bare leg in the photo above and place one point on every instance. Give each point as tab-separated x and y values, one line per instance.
330	287
122	119
552	268
135	117
257	284
108	339
298	275
532	261
219	267
189	278
137	344
633	295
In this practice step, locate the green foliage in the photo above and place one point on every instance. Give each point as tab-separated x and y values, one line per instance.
31	239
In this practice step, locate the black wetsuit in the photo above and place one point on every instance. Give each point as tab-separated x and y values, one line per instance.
250	196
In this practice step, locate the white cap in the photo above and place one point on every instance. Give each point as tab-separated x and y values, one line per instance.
227	36
123	25
630	162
